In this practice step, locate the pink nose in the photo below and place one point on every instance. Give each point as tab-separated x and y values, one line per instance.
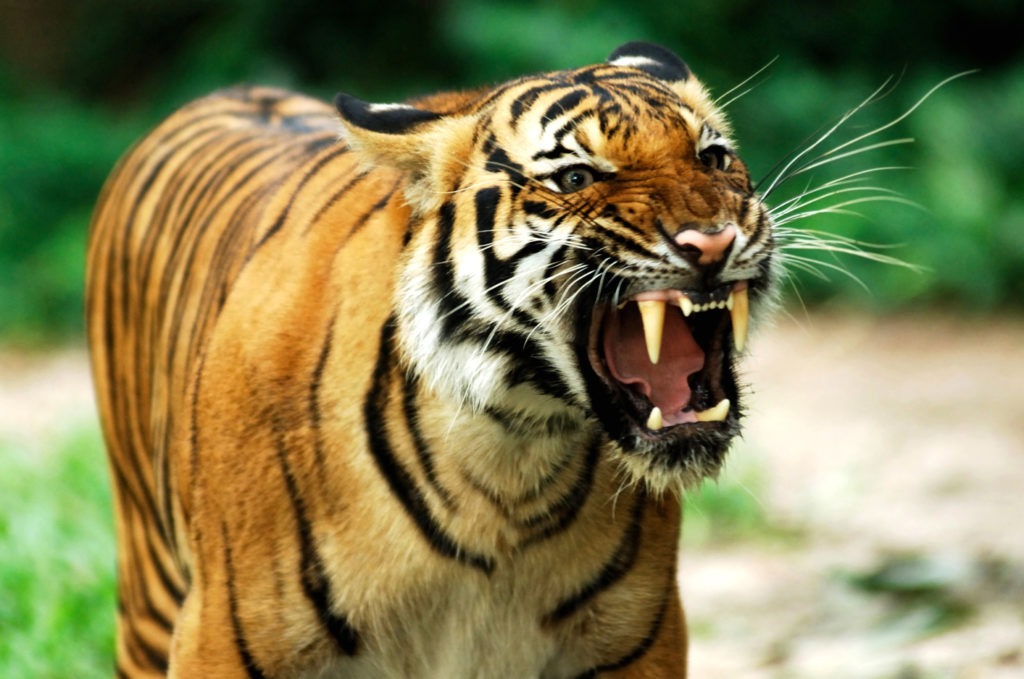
709	247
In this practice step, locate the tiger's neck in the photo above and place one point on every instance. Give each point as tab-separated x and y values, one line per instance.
489	484
503	489
506	460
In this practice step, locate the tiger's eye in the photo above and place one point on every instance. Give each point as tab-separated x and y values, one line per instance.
715	157
574	179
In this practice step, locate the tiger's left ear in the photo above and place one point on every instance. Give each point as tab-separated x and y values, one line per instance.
423	144
655	60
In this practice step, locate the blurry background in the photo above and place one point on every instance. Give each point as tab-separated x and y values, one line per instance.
81	79
932	357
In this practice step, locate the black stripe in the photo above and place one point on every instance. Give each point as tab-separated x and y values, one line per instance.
763	227
625	242
570	504
537	208
142	603
554	153
306	178
216	278
499	161
193	435
507	505
315	583
165	492
621	561
187	185
497	271
529	364
452	306
528	98
398	478
156	561
567	128
229	195
565	103
140	650
626	225
359	223
558	258
315	381
335	197
641	648
252	668
423	452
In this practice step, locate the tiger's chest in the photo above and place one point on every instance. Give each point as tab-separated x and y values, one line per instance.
468	631
551	587
504	625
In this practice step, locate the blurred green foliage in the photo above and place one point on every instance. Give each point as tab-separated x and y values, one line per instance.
56	561
80	79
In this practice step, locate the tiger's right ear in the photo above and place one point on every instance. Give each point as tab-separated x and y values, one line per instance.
423	144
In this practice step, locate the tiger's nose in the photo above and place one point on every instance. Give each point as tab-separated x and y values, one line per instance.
707	247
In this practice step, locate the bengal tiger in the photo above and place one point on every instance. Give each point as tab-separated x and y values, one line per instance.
411	390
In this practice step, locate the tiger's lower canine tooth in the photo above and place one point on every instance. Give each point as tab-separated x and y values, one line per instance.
716	414
654	420
652	314
740	313
686	305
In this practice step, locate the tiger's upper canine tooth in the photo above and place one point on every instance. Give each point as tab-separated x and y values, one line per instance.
716	414
652	314
654	420
739	310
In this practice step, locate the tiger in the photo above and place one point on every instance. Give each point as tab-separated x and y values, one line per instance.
415	389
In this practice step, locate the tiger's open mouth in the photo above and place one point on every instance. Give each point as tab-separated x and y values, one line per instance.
664	357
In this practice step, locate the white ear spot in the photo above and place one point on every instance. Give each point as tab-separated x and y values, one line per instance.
632	61
380	108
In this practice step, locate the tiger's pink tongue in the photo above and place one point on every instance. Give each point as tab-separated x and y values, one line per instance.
665	384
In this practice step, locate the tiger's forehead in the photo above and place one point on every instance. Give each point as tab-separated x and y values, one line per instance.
594	110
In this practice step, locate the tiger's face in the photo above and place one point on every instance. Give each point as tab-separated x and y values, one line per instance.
587	247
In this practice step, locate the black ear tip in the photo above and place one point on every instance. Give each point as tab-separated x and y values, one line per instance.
657	60
348	105
386	118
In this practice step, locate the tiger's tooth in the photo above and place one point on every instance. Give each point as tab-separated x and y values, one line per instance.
740	313
654	420
652	314
686	305
715	414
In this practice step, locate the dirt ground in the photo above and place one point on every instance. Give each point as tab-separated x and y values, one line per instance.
891	451
896	449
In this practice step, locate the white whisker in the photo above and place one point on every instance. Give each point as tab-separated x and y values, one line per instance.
729	92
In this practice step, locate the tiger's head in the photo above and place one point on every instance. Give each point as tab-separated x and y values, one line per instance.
583	249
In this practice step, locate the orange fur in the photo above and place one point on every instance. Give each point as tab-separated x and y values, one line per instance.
304	483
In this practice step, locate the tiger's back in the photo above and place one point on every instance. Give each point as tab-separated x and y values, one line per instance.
378	405
178	221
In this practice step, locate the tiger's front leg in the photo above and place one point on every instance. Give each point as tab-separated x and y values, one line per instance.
207	638
666	658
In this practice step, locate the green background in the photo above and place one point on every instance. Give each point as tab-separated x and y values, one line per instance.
81	79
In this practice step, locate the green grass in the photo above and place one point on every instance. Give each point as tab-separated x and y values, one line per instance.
57	589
